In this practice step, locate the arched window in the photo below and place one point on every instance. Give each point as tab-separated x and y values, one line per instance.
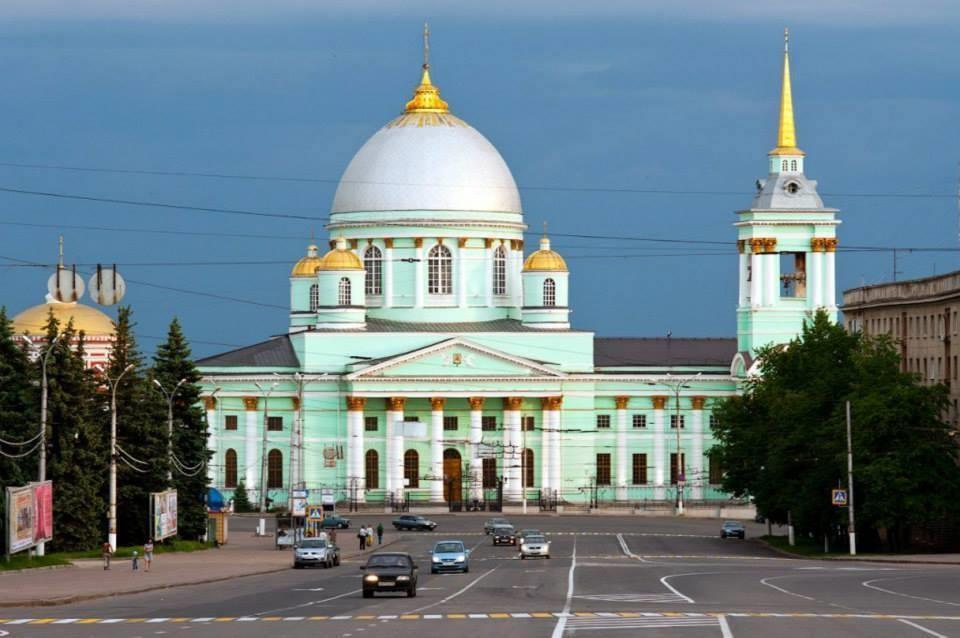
784	164
793	165
230	468
343	292
549	292
372	462
500	270
275	469
411	468
314	297
439	271
528	467
373	262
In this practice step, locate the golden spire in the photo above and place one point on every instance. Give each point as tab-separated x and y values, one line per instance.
426	97
787	134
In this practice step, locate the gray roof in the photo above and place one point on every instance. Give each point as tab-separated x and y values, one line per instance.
612	352
773	193
275	353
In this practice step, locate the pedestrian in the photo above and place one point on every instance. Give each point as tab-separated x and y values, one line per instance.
105	551
136	561
333	536
148	554
362	535
379	533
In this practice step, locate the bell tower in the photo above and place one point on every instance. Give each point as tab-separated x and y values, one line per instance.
786	242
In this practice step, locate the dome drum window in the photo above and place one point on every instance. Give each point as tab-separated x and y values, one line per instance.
343	292
314	297
373	263
439	271
549	293
500	270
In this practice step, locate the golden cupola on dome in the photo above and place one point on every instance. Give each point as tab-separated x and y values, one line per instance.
308	264
89	320
340	258
545	259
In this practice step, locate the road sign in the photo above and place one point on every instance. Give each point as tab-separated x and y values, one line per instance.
315	511
839	498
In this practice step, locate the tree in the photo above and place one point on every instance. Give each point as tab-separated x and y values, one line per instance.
241	501
783	441
171	364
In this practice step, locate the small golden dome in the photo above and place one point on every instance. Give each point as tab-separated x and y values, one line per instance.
90	320
426	97
308	265
545	259
340	258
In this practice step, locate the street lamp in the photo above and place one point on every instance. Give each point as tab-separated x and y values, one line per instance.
112	512
262	527
169	397
675	387
43	422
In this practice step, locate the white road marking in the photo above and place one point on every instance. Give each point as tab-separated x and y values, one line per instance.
633	598
896	593
922	628
310	589
562	622
664	582
724	626
314	602
640	622
457	593
763	581
626	550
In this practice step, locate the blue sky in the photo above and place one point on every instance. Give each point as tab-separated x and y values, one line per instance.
677	96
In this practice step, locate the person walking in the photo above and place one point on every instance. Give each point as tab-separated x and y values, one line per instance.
105	551
147	554
379	533
136	561
362	535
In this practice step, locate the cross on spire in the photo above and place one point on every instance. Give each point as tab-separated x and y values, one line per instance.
786	40
426	45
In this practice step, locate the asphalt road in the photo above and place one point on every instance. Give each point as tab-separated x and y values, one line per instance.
628	576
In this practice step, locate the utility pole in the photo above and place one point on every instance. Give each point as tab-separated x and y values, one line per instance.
112	512
852	527
676	388
42	474
262	526
169	397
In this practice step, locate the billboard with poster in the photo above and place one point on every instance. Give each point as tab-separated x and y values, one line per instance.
163	514
29	516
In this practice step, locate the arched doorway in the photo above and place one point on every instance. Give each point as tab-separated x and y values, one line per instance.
452	476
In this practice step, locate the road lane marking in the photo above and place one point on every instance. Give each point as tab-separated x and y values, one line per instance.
562	622
314	602
922	628
724	626
457	593
664	582
763	581
626	550
896	593
633	598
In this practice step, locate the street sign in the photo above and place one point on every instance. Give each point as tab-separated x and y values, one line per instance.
839	498
315	512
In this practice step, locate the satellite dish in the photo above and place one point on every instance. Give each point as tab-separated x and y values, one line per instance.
65	285
107	287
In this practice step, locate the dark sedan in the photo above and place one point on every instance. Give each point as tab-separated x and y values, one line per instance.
504	535
335	522
390	572
419	523
733	529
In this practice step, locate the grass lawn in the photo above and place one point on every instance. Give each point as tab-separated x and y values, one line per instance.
804	546
23	561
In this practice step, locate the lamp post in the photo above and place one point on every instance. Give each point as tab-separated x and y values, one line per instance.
676	386
169	397
42	474
262	527
112	512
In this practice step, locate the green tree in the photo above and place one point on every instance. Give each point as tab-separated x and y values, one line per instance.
172	364
241	500
783	441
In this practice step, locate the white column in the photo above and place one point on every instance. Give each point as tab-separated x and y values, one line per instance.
756	278
744	284
696	450
419	270
830	275
488	272
622	477
388	274
771	277
517	274
814	285
659	446
356	470
436	449
556	457
251	472
462	266
213	428
476	434
513	448
546	422
394	460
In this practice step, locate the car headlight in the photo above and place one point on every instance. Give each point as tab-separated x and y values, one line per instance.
403	578
460	559
371	578
436	559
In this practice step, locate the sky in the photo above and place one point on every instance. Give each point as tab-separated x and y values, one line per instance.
587	102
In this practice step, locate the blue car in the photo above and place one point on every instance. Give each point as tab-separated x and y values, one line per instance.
449	556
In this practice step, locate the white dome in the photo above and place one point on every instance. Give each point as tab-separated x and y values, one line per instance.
427	161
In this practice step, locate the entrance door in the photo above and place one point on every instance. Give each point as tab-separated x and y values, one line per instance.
452	476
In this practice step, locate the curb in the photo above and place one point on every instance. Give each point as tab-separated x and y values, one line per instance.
845	559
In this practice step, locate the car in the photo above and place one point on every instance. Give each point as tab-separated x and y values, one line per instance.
493	522
534	545
733	528
449	556
419	523
335	522
315	552
504	535
528	532
390	572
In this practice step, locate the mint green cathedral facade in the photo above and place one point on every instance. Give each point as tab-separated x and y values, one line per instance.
430	354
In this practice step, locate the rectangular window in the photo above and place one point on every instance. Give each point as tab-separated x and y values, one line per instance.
639	469
411	419
275	423
673	421
371	423
449	423
527	423
411	468
714	421
603	421
603	469
488	423
673	467
639	420
489	474
716	472
230	422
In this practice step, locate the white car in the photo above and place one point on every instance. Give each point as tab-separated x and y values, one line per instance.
532	546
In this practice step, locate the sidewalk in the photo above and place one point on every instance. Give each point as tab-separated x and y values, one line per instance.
244	555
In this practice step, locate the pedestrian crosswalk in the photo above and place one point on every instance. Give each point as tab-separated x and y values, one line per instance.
662	598
601	620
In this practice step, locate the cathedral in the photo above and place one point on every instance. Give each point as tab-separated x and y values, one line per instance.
430	356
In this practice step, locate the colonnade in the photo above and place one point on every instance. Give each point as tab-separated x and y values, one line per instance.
759	272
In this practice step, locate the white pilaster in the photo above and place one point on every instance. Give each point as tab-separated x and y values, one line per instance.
771	277
696	478
476	434
622	476
462	267
436	450
814	280
251	470
756	279
488	272
513	446
421	282
556	455
517	289
830	279
213	429
744	284
394	460
546	422
659	447
388	275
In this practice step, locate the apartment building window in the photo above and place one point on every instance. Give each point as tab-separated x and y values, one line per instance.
639	469
673	421
450	423
275	423
230	422
488	423
639	420
603	469
603	421
371	423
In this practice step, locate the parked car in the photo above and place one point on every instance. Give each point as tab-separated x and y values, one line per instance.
528	532
449	556
312	552
533	545
493	522
338	522
504	535
390	572
733	528
419	523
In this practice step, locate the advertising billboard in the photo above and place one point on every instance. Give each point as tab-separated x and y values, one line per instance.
163	514
29	515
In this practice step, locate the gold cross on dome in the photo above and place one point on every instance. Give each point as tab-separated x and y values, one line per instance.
426	45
